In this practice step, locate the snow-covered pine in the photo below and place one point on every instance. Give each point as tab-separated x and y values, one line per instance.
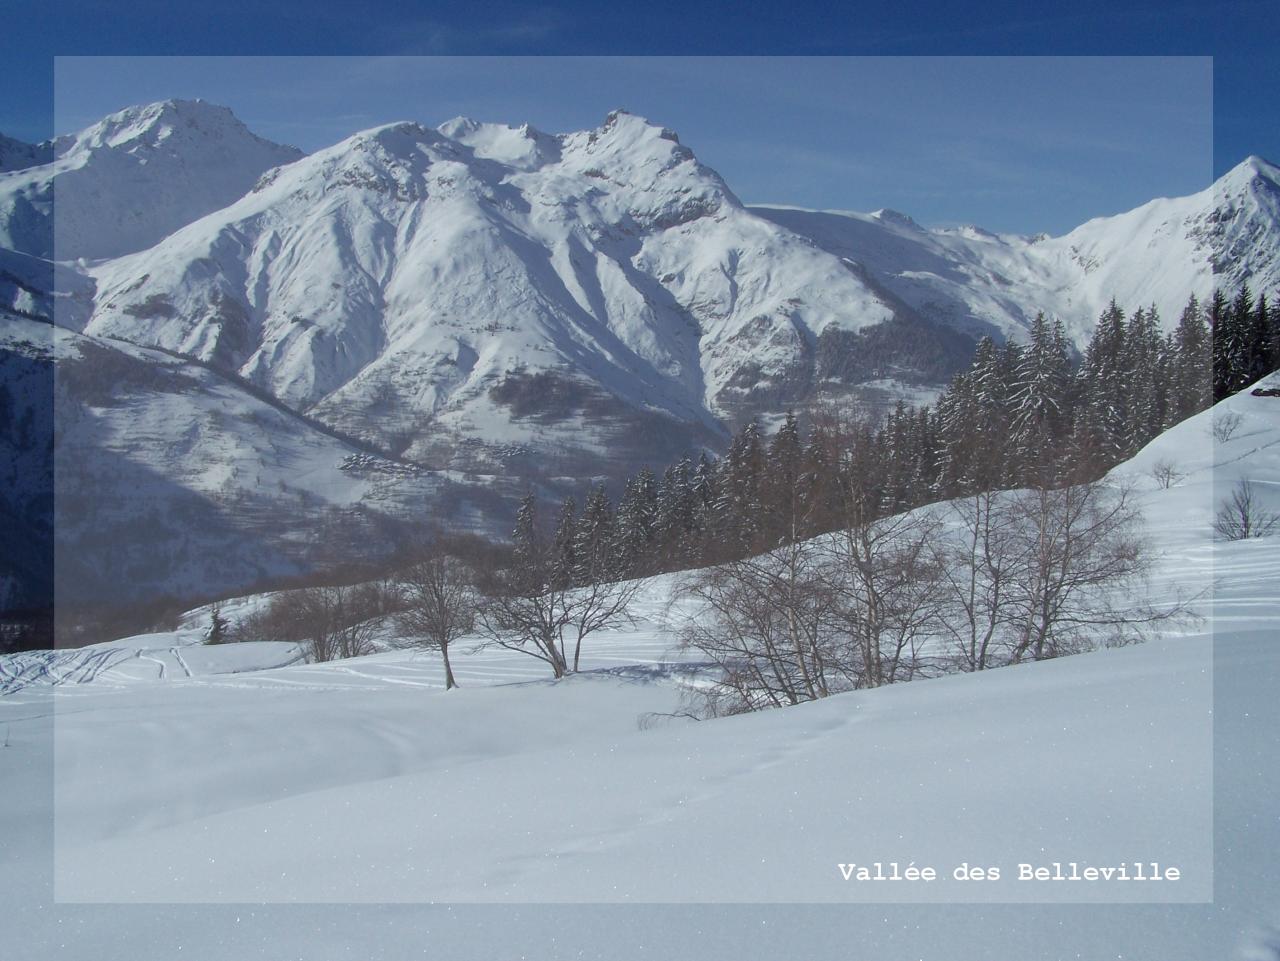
564	544
593	546
1191	372
1040	399
636	533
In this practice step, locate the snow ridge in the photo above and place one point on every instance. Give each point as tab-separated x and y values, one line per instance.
1159	253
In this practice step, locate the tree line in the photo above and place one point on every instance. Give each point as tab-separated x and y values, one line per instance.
1022	415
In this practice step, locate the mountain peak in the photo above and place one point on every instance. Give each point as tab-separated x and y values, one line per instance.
146	126
134	177
459	127
153	123
1261	165
1244	176
620	118
390	133
890	216
523	146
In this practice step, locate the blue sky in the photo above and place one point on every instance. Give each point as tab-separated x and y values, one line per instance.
1033	144
1023	144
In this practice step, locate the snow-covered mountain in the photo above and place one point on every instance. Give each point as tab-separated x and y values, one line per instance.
495	307
460	294
129	180
432	290
1159	253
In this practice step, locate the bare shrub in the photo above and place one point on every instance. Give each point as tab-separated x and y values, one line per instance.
978	568
1242	515
1086	564
812	618
1166	474
888	584
1225	425
1012	576
770	624
330	622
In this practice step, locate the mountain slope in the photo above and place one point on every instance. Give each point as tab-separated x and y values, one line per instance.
129	180
26	462
172	479
18	155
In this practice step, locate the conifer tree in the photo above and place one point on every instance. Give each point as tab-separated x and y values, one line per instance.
1231	347
593	546
1143	383
737	511
1191	375
217	632
636	532
782	497
1040	399
675	517
526	543
1104	393
565	545
1258	360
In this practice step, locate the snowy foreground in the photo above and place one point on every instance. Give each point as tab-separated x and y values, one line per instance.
222	781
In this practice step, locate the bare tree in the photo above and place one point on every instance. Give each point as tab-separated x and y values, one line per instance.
1225	425
532	606
1242	515
529	608
812	618
599	605
1013	576
525	610
1085	565
439	602
889	587
978	565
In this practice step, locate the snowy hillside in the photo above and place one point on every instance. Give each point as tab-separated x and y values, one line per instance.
1160	253
363	781
130	179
